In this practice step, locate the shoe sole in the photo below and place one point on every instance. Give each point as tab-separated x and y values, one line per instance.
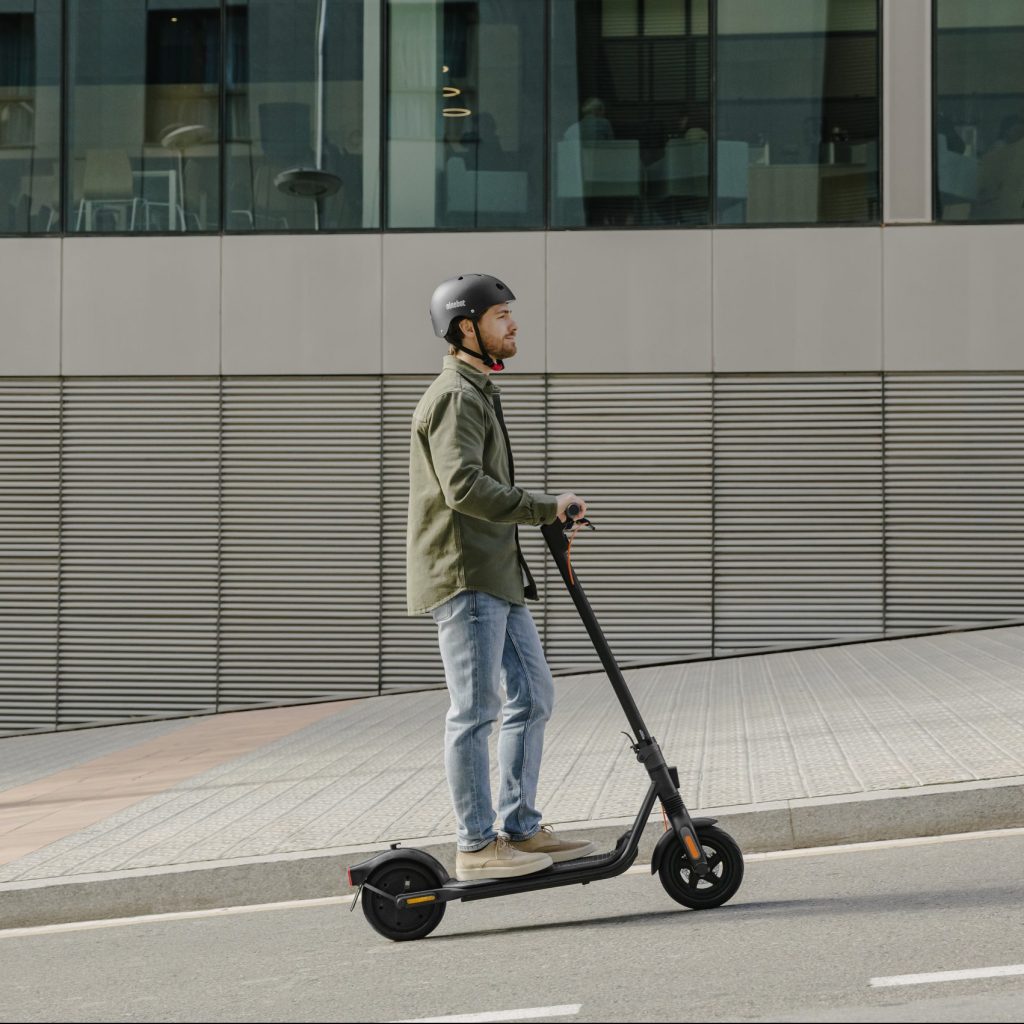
583	851
484	874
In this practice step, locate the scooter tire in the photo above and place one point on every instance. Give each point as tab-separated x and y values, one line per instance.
401	924
725	859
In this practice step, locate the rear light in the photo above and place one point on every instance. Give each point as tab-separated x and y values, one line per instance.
348	875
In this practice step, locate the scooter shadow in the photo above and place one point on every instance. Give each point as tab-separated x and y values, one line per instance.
762	910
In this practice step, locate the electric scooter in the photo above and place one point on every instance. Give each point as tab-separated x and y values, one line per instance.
404	890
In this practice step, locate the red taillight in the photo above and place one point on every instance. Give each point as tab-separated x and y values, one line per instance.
348	875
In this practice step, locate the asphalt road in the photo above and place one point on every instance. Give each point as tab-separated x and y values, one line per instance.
802	940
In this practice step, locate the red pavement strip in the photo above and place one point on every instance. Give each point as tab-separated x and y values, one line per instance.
48	809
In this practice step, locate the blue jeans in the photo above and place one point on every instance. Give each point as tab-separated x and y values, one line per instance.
485	641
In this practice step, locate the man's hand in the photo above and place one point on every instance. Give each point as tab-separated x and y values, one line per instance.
565	500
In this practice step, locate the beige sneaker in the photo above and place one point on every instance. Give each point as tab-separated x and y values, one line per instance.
545	841
499	859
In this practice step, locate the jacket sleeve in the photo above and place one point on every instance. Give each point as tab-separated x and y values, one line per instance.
456	430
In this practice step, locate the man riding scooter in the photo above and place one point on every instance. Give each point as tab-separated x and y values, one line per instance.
466	568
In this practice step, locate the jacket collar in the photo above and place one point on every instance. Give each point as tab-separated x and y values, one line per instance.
477	378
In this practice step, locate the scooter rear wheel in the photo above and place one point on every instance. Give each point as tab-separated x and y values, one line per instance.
725	859
401	924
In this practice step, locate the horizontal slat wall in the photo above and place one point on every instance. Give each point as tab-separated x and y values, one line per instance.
798	510
300	527
228	533
29	548
638	449
139	548
409	654
954	498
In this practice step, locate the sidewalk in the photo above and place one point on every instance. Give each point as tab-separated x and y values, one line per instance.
842	744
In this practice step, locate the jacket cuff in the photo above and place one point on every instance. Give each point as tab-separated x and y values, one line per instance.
545	508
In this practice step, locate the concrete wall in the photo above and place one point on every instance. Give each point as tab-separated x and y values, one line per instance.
925	297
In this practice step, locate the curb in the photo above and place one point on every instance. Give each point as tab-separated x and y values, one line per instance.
759	828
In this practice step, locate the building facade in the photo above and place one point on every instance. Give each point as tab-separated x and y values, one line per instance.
766	253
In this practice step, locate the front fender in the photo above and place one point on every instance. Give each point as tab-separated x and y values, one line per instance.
669	838
358	873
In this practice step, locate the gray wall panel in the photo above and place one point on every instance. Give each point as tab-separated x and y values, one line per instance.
409	654
798	510
29	551
139	522
954	498
638	450
300	573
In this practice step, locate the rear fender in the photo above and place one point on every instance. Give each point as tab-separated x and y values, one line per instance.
358	873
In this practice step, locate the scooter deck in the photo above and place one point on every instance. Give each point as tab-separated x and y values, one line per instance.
567	872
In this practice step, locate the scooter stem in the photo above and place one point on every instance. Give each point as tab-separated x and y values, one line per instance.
646	748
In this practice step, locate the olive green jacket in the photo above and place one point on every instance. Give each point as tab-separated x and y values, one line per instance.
463	505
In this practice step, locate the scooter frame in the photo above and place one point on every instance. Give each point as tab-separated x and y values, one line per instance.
664	786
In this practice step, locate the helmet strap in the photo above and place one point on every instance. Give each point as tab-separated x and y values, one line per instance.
494	364
485	358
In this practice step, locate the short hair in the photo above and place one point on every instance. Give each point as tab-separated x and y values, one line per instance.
454	333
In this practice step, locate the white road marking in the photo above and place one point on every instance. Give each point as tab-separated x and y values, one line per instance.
180	915
569	1010
636	869
928	979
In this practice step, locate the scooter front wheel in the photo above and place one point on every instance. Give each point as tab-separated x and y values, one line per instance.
396	878
725	861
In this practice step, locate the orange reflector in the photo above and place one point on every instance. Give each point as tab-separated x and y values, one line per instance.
422	899
691	847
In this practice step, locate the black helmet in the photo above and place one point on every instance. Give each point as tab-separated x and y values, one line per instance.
467	297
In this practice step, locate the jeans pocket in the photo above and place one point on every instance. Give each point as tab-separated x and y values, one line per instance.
443	612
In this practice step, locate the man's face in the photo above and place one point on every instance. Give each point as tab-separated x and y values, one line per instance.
498	330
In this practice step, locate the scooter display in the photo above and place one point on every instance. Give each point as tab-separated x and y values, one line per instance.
404	891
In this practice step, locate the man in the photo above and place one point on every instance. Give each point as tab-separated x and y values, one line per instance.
466	568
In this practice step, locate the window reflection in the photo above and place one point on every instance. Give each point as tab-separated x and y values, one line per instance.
979	117
29	116
797	112
301	144
144	116
466	116
629	115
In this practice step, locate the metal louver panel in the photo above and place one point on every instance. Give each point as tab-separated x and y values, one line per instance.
139	519
638	449
954	498
300	584
29	550
798	509
409	654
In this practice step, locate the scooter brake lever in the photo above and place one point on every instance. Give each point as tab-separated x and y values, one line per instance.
582	521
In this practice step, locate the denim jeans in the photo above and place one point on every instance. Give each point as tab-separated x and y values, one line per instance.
485	641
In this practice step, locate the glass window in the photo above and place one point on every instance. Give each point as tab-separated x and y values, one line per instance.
466	114
797	112
30	54
979	110
303	121
143	116
630	112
